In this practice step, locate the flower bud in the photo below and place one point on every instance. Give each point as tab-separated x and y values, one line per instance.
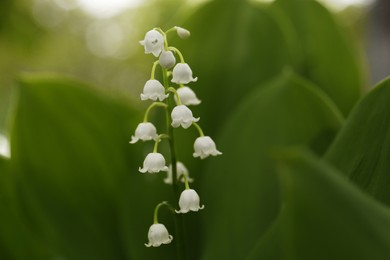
153	163
181	170
183	33
157	235
182	116
182	74
205	146
153	90
187	96
144	131
167	59
189	201
153	42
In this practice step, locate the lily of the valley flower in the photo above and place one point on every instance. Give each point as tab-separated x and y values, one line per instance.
154	90
181	170
183	33
187	96
153	163
205	146
182	74
157	235
153	42
182	116
167	60
144	131
189	201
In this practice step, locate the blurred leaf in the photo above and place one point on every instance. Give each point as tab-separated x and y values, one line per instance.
325	217
240	188
77	177
362	148
234	46
327	57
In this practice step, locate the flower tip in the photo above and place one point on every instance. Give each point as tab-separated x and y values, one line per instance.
142	42
133	140
142	170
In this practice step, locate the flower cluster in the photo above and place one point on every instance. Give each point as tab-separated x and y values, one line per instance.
176	75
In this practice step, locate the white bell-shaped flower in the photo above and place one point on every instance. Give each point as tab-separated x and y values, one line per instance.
153	163
154	90
189	201
183	33
205	146
182	74
157	235
182	116
181	170
167	60
153	42
145	131
187	96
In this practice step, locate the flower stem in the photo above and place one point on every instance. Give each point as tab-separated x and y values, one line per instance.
178	53
198	128
154	69
179	225
155	215
155	104
155	148
173	90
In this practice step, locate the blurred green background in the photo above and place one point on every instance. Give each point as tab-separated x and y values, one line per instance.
286	94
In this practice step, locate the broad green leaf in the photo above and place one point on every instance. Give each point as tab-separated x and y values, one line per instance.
362	149
239	188
327	57
324	216
233	47
76	176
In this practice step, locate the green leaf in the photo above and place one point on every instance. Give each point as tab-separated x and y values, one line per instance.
234	46
327	57
76	176
362	148
239	188
324	216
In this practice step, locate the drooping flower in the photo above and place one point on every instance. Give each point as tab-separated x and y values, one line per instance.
187	96
205	146
154	90
153	42
181	170
183	33
153	163
145	131
167	60
182	74
189	201
182	116
157	235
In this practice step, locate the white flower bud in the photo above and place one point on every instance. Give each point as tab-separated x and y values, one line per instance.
153	90
181	170
153	42
144	131
153	163
167	59
182	115
189	201
187	96
157	235
182	74
183	33
205	146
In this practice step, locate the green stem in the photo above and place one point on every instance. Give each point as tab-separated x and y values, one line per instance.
155	148
179	225
165	38
178	53
155	104
154	69
174	91
198	128
155	215
186	182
